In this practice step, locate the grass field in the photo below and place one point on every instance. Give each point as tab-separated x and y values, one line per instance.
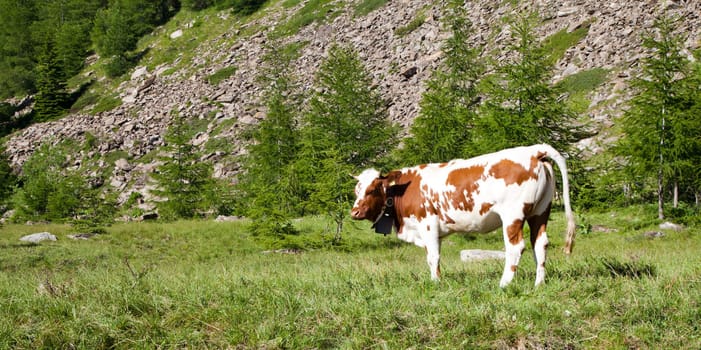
201	284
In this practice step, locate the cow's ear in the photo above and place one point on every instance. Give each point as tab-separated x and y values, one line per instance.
396	190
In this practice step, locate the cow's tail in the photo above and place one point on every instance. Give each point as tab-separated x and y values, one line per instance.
560	161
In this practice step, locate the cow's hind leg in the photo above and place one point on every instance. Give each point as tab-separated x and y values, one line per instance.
514	244
539	242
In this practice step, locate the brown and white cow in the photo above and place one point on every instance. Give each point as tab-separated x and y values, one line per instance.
428	202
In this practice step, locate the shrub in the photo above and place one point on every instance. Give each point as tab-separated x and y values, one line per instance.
221	75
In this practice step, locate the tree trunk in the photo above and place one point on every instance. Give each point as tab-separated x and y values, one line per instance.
660	195
675	201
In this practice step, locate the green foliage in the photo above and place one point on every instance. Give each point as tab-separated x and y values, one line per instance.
220	75
49	190
184	180
366	6
17	53
267	182
557	44
661	126
415	23
522	107
580	84
8	179
51	98
443	128
118	27
243	7
322	11
197	5
8	121
345	129
117	65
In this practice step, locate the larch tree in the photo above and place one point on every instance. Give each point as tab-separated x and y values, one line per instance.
345	129
660	134
444	127
522	106
267	184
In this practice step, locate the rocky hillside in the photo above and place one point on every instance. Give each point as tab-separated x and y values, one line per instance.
400	65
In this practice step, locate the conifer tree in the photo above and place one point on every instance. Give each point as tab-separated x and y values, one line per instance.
183	179
345	130
266	182
661	132
51	97
522	106
443	129
8	179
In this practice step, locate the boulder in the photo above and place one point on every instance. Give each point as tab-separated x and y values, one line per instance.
479	254
670	226
176	34
38	237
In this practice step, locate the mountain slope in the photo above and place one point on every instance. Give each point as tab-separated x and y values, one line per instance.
400	43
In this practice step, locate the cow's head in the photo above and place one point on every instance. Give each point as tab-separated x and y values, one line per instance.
371	193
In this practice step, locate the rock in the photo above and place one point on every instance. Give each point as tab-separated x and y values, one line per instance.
122	164
283	251
224	218
670	226
139	72
176	34
479	254
603	229
81	236
653	234
38	237
409	73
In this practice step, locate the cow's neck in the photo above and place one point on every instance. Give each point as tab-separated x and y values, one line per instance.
387	218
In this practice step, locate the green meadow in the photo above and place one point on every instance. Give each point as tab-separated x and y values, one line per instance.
209	285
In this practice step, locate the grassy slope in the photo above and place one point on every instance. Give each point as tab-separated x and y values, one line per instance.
205	284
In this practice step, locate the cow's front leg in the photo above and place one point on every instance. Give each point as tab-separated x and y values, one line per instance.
514	245
433	254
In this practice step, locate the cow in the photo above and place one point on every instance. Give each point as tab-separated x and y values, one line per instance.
426	203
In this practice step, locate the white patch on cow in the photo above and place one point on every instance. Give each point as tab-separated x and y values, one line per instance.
364	180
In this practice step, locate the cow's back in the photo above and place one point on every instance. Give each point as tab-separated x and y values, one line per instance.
469	195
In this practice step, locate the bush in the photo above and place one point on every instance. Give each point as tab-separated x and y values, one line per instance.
197	5
116	66
243	7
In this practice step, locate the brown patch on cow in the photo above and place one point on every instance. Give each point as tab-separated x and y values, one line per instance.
514	268
485	208
423	166
465	182
411	202
527	207
512	172
449	220
515	231
538	224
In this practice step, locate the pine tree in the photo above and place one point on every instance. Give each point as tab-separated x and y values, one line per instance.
51	97
266	182
443	129
345	129
660	133
522	106
184	180
17	50
8	179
